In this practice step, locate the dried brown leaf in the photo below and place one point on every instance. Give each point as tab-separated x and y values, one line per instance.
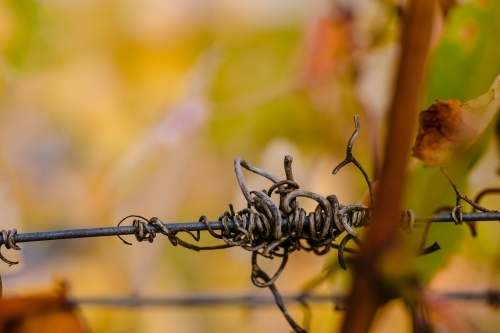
448	127
41	313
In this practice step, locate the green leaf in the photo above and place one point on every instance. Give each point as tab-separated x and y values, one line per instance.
463	66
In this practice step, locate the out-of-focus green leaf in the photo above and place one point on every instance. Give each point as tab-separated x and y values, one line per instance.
25	35
463	66
466	61
268	85
254	61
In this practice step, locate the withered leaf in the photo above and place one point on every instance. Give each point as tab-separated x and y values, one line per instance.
449	127
41	313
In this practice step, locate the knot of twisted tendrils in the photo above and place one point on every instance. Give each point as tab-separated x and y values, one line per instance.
271	228
456	214
275	230
145	229
9	242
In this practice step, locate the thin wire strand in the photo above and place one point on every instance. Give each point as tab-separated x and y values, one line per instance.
270	230
221	299
420	221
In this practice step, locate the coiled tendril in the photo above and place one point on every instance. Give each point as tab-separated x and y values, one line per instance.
260	227
8	236
276	230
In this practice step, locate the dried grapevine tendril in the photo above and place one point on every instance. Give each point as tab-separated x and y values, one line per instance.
274	230
259	228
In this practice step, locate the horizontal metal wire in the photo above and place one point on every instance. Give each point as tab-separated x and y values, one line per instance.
200	300
420	220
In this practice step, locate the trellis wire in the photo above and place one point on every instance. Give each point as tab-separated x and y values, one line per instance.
270	230
218	299
420	221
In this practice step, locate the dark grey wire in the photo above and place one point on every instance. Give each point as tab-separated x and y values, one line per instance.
221	299
420	221
202	300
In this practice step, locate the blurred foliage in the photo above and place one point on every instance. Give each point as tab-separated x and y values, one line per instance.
463	66
123	107
41	312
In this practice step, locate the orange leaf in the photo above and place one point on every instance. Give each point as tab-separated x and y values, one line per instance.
448	127
41	314
327	44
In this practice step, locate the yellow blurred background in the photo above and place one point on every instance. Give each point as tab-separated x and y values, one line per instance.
112	108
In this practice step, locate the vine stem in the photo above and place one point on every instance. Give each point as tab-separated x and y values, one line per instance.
420	221
367	291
